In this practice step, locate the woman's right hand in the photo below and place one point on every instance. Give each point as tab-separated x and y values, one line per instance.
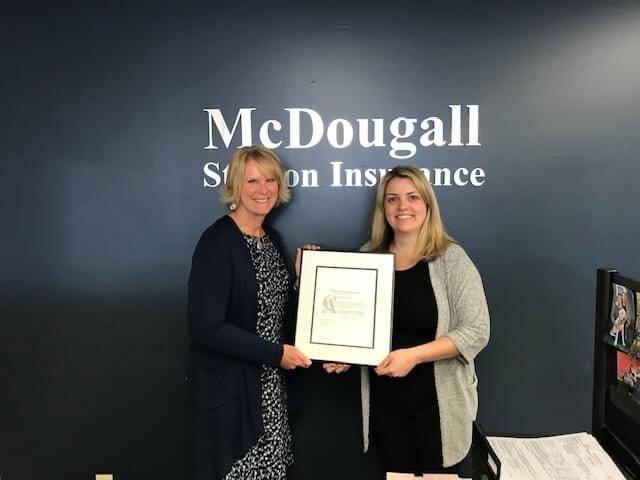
293	358
336	367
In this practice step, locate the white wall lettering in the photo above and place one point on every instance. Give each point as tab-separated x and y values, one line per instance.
304	128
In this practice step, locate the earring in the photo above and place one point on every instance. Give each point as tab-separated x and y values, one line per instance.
233	207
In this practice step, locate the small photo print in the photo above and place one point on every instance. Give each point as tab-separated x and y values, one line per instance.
628	369
622	320
635	344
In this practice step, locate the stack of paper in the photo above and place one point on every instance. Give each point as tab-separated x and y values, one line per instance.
577	456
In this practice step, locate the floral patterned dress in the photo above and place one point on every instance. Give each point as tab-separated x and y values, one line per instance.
272	454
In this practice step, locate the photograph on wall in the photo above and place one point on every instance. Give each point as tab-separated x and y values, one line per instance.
628	373
622	319
634	349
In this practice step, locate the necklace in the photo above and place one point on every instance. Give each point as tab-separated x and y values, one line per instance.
258	237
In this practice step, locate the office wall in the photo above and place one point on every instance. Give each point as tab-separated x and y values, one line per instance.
107	146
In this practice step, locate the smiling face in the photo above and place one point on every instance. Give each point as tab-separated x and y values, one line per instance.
258	190
404	208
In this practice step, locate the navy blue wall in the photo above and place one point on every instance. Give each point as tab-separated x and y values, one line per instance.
102	200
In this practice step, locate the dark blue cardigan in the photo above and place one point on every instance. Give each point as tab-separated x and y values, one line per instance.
226	353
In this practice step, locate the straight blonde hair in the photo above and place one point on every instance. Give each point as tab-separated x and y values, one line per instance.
268	163
433	239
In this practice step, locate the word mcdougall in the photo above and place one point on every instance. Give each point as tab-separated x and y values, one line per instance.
306	129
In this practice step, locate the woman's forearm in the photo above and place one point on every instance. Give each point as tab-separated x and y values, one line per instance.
439	349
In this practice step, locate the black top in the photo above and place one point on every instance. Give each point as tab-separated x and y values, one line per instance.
405	418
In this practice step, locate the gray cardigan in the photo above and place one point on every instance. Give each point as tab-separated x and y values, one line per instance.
463	317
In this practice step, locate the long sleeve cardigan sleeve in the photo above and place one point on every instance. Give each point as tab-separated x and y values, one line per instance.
222	311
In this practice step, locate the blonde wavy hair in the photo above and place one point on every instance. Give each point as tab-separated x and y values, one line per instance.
433	239
268	163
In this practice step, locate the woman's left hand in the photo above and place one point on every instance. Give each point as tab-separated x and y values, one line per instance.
398	363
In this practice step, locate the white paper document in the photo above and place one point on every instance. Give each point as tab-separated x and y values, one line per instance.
345	306
345	310
576	456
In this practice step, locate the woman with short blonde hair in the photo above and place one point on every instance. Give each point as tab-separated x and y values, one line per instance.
239	294
266	160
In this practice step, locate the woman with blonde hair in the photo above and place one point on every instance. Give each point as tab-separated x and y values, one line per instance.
239	288
422	400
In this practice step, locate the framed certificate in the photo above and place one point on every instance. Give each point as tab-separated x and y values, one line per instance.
345	308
